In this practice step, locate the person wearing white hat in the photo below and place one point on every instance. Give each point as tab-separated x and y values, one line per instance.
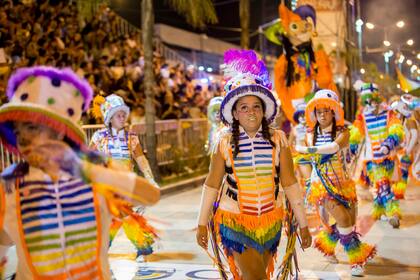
213	117
254	160
123	149
404	109
54	206
298	138
382	132
330	185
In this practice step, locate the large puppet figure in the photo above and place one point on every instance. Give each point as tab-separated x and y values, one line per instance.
300	70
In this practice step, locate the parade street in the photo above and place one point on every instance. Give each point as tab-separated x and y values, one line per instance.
177	255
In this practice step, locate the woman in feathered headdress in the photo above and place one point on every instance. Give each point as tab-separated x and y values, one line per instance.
253	159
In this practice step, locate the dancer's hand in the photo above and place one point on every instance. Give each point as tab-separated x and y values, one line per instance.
384	150
301	149
202	236
53	156
306	237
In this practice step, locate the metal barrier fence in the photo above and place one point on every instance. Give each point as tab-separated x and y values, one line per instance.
178	141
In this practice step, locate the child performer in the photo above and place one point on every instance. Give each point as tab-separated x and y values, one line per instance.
254	160
330	185
382	132
54	206
123	147
215	124
406	154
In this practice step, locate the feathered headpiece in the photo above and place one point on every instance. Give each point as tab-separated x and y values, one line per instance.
246	75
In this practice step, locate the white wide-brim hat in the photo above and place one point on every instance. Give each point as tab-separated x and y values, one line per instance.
324	98
259	91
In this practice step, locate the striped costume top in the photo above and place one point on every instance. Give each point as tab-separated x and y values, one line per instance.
118	146
61	230
329	178
377	131
333	169
252	182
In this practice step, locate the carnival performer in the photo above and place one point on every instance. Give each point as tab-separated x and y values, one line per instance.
56	206
404	111
298	138
254	160
381	132
215	124
330	185
123	148
300	70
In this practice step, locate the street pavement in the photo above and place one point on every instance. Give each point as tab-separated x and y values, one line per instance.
178	257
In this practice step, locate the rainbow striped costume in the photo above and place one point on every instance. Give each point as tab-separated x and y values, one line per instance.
61	230
119	146
329	179
383	129
250	211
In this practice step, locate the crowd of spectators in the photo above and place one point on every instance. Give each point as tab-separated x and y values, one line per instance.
51	32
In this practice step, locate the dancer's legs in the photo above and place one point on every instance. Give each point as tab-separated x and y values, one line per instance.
252	265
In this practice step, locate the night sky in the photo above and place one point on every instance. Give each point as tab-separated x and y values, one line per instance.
381	12
387	13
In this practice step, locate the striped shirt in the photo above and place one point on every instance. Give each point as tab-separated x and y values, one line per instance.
253	169
60	228
118	146
59	224
377	131
333	169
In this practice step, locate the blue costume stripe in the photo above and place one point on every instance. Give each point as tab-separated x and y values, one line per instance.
78	211
36	199
263	148
40	228
77	193
243	158
371	117
79	221
260	142
263	162
76	184
229	235
80	203
243	164
246	144
39	217
263	156
376	125
39	208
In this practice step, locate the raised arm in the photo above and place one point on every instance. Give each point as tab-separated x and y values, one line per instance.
127	184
